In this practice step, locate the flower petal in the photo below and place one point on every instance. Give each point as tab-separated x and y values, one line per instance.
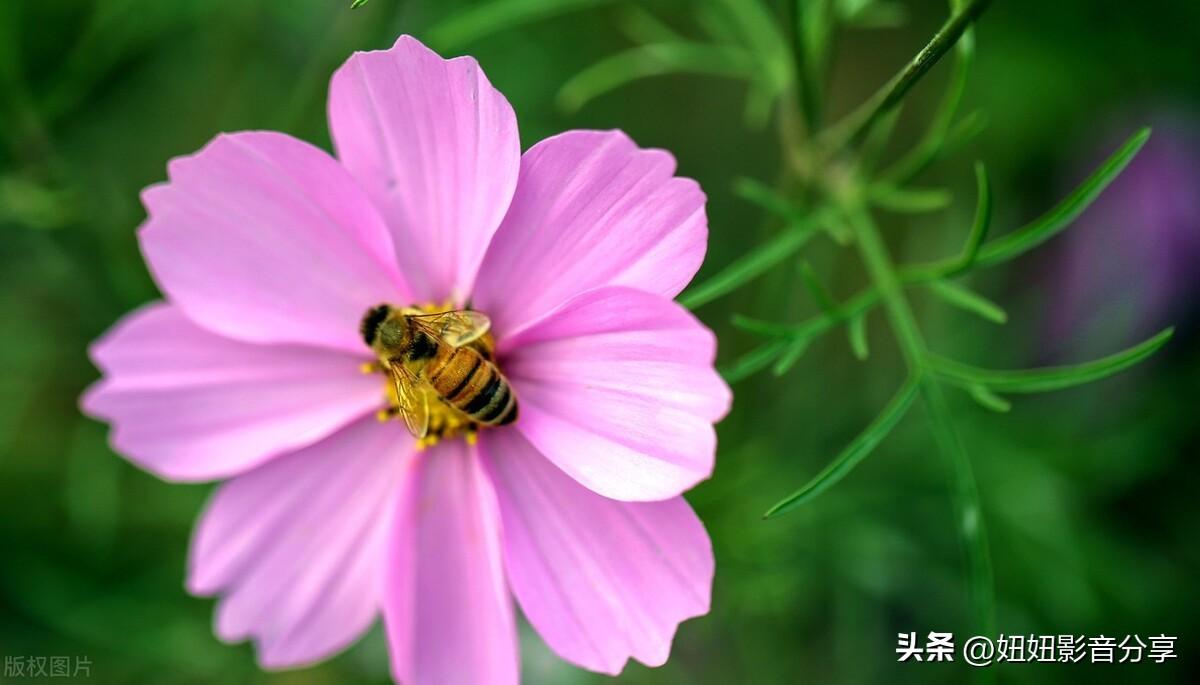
617	388
591	209
187	404
600	580
447	609
296	546
264	238
436	146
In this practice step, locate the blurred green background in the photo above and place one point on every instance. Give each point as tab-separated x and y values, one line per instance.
1089	494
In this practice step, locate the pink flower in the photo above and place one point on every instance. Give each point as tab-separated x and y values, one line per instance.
269	251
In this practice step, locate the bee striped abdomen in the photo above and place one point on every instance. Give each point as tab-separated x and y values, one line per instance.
473	385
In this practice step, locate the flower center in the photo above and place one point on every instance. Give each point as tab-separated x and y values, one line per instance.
445	385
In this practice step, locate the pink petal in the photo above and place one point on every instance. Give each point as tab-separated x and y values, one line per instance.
446	607
591	209
296	546
264	238
437	148
187	404
618	389
600	580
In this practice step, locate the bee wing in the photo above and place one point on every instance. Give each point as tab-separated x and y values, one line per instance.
458	328
411	399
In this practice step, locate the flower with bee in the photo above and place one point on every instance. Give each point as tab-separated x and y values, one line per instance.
513	312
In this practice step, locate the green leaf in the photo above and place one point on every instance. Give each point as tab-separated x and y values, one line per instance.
715	21
791	354
487	18
965	299
920	159
760	100
767	328
1040	230
810	328
750	265
858	305
818	291
909	200
755	28
642	27
988	399
753	361
810	23
839	231
982	222
1047	378
878	15
655	59
24	202
962	133
766	197
856	332
860	447
1061	215
877	142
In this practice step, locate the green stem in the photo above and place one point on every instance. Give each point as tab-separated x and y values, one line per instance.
966	495
970	523
806	52
855	128
887	282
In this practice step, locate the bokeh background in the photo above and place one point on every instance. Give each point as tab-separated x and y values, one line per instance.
1089	494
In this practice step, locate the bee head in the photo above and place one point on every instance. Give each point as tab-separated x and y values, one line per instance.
371	321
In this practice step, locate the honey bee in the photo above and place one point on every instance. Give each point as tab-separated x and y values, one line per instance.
440	358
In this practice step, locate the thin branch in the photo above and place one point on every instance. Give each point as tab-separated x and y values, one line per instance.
912	346
855	127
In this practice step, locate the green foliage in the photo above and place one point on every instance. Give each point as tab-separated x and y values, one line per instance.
856	334
856	451
1061	215
910	200
790	354
756	361
988	399
489	17
863	133
980	226
963	298
818	292
942	136
654	59
1050	378
798	230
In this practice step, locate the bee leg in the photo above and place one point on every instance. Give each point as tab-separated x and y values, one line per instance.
472	435
428	441
371	367
387	414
